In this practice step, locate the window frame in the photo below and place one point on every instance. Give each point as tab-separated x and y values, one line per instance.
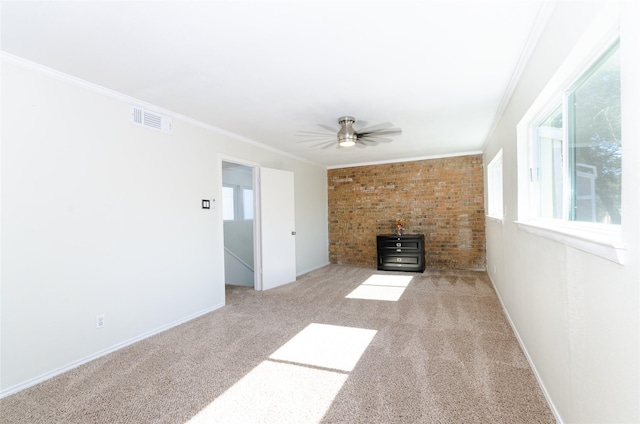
604	240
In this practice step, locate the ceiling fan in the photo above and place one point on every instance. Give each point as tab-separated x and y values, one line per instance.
347	136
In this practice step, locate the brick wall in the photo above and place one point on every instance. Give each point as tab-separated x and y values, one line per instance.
440	198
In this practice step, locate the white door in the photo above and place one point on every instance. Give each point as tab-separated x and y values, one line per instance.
277	232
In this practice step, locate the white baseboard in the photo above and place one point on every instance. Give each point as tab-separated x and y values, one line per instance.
312	269
46	376
545	392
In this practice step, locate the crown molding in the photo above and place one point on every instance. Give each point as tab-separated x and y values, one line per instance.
78	82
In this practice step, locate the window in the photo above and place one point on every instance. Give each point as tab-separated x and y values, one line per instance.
247	203
237	203
494	187
570	151
595	158
546	171
228	203
575	155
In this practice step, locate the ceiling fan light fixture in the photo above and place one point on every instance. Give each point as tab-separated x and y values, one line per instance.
347	135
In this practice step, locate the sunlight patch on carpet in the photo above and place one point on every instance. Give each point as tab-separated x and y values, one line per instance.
275	393
293	391
326	346
381	287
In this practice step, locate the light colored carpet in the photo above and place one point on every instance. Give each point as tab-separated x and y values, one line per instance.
442	353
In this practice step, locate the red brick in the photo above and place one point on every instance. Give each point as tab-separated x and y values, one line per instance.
440	198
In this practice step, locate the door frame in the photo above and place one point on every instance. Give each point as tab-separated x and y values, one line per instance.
257	241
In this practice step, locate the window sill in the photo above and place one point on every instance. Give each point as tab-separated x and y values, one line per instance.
603	242
494	219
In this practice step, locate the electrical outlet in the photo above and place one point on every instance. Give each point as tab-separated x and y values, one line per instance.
100	321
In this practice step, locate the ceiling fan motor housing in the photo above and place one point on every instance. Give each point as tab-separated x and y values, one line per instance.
347	136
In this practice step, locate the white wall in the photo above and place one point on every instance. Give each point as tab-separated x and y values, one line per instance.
575	313
103	217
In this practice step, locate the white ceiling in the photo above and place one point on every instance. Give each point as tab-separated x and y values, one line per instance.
265	70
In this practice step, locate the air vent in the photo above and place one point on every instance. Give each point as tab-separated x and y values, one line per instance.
150	120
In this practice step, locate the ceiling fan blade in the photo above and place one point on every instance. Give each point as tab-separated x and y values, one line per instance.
332	143
367	136
333	130
324	144
359	124
367	143
312	133
375	140
325	139
390	131
376	127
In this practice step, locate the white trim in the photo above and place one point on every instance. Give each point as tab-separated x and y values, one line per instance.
26	64
238	161
413	159
312	269
48	375
494	219
599	241
257	229
543	388
257	240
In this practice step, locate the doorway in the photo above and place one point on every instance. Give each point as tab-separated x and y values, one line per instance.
258	210
238	213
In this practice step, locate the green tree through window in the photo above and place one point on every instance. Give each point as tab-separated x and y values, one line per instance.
595	157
